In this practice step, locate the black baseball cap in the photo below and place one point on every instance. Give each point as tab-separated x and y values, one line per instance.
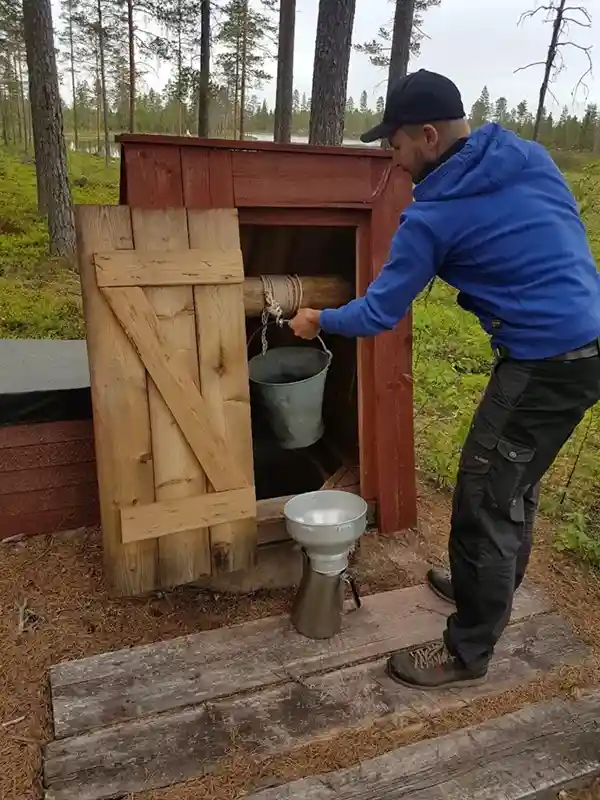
417	99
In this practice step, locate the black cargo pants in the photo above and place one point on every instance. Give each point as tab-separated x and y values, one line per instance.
527	413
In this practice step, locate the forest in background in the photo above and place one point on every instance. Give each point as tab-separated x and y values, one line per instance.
110	53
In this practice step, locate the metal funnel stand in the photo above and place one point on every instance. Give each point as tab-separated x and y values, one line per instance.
327	524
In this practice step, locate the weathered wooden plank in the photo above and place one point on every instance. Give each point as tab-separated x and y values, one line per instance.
119	396
277	719
195	737
159	168
532	753
365	363
297	182
131	756
174	268
184	556
177	388
111	687
224	380
392	370
182	515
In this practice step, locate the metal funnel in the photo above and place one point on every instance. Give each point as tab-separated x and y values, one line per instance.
326	524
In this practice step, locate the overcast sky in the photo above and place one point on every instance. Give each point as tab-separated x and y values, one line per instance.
475	42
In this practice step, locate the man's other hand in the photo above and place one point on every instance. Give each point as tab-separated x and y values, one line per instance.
306	323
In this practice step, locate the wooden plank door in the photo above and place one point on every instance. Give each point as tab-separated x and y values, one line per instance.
163	303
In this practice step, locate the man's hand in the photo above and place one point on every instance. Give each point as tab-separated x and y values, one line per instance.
306	323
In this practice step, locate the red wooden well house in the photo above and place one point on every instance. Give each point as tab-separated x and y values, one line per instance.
309	211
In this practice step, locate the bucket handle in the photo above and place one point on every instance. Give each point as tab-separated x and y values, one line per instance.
280	324
350	580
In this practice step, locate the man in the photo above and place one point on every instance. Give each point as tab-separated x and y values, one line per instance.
494	218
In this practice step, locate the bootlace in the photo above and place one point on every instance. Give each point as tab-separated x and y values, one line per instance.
432	655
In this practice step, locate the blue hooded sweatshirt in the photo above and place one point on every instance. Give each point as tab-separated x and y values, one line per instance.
498	222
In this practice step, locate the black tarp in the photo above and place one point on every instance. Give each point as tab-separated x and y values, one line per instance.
43	380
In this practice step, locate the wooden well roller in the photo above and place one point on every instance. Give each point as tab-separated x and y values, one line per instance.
318	292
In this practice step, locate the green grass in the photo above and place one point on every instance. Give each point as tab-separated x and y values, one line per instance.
40	298
452	363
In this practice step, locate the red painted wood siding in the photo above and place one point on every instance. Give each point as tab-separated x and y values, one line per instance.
47	478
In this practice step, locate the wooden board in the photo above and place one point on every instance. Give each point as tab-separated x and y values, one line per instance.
47	478
144	165
297	181
221	331
179	745
185	267
119	397
530	754
167	675
178	474
392	366
172	348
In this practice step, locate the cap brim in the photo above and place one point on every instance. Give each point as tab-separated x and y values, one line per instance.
381	131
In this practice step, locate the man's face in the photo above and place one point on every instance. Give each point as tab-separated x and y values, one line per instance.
415	147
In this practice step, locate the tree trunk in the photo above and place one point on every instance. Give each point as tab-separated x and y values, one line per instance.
54	195
552	48
73	81
179	72
103	89
98	104
18	99
204	84
22	100
401	36
3	115
330	74
244	66
285	72
132	77
236	96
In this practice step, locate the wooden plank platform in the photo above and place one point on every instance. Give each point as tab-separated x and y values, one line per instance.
164	713
114	687
530	754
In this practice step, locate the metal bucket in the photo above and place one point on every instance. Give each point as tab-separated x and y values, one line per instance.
290	382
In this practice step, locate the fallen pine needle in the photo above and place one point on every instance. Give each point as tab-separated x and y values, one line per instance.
10	722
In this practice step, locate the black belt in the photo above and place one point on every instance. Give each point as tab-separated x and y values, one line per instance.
587	351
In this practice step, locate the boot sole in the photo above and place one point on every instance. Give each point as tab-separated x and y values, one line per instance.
451	685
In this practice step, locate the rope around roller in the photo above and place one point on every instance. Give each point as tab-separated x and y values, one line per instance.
283	298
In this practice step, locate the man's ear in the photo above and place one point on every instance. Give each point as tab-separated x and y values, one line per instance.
431	135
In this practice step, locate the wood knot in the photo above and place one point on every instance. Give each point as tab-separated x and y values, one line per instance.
220	553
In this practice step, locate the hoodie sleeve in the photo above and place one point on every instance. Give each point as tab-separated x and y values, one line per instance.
415	257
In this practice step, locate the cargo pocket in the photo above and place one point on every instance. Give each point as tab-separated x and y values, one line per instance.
507	479
478	452
476	462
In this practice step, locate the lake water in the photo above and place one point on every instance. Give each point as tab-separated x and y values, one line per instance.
90	146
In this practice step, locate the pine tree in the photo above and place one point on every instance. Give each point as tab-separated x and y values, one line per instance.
481	110
379	50
181	20
501	111
14	106
285	71
204	77
245	37
54	194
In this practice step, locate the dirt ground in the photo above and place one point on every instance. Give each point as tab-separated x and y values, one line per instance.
55	607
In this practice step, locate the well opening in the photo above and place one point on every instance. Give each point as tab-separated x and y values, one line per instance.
305	251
